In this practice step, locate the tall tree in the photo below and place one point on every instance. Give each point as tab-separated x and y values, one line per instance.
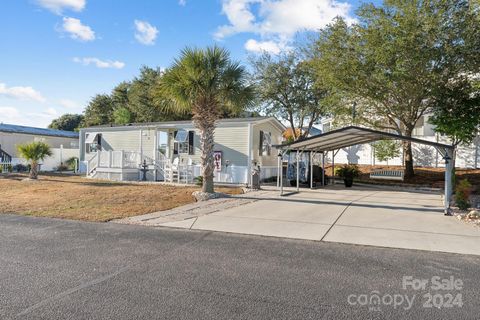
119	95
393	60
287	89
386	150
203	82
67	122
122	115
141	96
457	113
99	111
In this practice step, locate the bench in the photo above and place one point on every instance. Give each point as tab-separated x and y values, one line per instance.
387	174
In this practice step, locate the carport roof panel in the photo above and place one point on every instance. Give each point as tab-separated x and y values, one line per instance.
349	136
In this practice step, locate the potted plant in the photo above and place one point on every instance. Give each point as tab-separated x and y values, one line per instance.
348	172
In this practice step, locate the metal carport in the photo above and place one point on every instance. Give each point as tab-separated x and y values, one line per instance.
353	135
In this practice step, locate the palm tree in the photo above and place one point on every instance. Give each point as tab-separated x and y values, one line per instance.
205	82
34	152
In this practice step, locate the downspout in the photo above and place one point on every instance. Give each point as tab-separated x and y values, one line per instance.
155	148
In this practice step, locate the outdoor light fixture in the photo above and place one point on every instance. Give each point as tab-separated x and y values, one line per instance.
447	158
227	163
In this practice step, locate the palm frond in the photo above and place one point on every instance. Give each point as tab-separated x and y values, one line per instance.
205	79
34	151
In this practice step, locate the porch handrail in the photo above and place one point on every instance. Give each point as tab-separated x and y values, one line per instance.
4	156
92	163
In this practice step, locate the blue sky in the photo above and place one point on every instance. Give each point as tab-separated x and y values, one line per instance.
57	54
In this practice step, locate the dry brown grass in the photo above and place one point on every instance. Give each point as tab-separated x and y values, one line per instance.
73	197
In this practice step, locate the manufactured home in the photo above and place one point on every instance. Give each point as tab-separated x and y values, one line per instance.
170	151
63	144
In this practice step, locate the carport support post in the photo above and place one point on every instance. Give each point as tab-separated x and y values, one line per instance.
281	180
311	170
448	178
323	169
278	167
298	170
333	166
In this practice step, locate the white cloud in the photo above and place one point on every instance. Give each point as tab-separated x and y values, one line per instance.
69	104
22	93
8	113
51	112
103	64
183	3
263	46
145	32
13	115
77	30
57	6
277	21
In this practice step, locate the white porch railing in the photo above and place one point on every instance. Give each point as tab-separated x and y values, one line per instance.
92	164
179	171
5	167
123	160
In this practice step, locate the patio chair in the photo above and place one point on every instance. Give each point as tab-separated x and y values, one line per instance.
187	171
171	171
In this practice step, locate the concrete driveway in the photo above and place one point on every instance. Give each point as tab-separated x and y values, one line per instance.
361	215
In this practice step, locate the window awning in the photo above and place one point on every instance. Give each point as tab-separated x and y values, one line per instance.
91	137
181	136
349	136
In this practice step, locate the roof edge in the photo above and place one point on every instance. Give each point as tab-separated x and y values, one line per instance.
385	134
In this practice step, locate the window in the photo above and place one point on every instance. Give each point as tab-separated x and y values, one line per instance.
163	142
265	144
184	142
93	142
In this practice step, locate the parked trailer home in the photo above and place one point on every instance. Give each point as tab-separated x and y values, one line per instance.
171	151
63	144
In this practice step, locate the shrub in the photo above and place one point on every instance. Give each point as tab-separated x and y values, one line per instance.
462	194
199	180
62	167
270	179
71	162
348	171
21	168
6	168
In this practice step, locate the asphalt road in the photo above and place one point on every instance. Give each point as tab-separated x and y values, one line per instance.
59	269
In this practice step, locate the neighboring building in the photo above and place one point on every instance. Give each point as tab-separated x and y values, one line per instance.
468	156
13	135
171	150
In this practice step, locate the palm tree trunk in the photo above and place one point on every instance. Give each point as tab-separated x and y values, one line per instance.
207	131
33	170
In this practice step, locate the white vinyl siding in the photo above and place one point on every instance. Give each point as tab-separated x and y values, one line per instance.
276	137
232	141
9	141
126	140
